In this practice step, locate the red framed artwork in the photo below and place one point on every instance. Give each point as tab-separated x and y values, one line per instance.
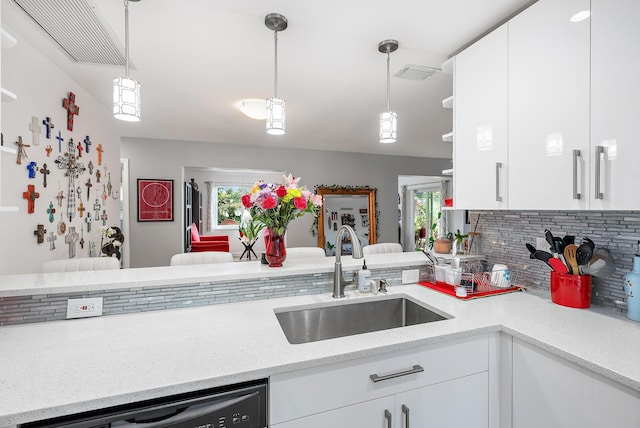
155	200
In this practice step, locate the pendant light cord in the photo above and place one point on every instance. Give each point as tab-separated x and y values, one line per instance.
388	80
275	66
126	37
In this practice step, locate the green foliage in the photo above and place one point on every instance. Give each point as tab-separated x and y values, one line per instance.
229	204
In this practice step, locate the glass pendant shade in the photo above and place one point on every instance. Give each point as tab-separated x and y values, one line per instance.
276	116
388	127
126	99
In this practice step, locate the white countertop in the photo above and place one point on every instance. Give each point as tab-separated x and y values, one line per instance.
68	282
64	367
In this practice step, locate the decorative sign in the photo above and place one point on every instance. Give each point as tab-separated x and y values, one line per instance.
155	200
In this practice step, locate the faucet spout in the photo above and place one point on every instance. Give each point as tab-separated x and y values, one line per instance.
339	283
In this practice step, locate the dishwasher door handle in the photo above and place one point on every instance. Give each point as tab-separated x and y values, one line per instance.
189	414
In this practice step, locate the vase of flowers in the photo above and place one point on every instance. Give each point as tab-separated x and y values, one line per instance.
274	206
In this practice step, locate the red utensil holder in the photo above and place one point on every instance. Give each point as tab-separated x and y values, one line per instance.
573	291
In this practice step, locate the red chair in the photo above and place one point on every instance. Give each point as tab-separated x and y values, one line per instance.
208	243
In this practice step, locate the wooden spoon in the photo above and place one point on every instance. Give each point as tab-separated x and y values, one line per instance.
570	257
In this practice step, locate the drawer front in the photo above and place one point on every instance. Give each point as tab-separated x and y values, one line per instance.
304	392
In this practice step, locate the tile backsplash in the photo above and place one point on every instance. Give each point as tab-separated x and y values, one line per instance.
503	235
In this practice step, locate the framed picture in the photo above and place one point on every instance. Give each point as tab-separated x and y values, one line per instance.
155	200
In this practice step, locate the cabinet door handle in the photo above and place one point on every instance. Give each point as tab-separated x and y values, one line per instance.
415	369
498	167
576	155
387	416
599	152
405	411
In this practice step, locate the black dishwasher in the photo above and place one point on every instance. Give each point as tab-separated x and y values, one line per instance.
241	405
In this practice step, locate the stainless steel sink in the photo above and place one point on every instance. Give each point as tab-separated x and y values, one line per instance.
313	323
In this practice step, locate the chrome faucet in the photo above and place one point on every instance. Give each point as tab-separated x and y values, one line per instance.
339	283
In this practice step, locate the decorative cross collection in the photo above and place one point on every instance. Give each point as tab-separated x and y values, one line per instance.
72	109
69	161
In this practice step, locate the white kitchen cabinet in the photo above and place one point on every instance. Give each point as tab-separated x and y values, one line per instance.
549	107
551	392
480	146
428	380
615	110
462	402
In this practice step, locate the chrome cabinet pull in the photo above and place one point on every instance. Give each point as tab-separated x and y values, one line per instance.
387	416
415	369
405	411
498	167
599	152
576	155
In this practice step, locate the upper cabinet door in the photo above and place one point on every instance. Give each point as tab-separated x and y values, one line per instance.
615	104
480	135
549	106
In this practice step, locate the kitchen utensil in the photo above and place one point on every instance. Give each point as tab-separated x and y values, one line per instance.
549	237
557	265
568	239
570	257
589	242
593	267
584	254
609	267
558	245
543	256
531	249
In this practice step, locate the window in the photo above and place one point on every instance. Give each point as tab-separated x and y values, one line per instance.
227	208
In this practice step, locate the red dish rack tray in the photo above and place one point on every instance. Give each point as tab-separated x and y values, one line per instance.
478	279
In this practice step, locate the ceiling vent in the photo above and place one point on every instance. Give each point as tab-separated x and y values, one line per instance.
416	72
77	28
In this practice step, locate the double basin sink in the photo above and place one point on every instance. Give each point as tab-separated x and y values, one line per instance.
313	323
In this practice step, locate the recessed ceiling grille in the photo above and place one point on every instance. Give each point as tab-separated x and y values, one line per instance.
416	72
77	28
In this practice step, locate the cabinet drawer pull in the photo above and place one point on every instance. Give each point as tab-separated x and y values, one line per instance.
405	410
599	152
498	167
387	416
576	155
415	369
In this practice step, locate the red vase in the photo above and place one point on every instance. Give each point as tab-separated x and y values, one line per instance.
276	252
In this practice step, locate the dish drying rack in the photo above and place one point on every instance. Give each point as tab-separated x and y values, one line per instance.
478	278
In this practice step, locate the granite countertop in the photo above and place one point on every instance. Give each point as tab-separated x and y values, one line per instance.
65	367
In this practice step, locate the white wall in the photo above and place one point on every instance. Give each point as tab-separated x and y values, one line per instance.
153	244
40	87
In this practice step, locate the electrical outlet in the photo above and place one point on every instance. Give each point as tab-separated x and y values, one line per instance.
410	276
542	244
84	308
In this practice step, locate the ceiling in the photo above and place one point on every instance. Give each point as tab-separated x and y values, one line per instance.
195	59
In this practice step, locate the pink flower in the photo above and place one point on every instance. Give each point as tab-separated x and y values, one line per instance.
269	202
316	200
246	201
290	181
281	192
300	203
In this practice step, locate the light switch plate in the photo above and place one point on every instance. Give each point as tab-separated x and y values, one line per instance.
84	308
410	276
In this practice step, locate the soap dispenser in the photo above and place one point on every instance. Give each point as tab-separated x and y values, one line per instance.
632	288
364	279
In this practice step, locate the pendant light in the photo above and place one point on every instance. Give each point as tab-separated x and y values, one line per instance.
388	119
276	107
126	92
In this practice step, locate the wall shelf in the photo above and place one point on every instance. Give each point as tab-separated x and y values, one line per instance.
447	172
448	137
8	41
8	150
448	102
7	96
